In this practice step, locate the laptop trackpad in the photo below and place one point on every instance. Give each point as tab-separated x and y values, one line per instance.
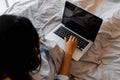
77	53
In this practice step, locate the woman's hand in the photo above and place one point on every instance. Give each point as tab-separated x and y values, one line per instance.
70	45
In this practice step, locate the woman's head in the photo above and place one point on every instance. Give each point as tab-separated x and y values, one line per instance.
19	46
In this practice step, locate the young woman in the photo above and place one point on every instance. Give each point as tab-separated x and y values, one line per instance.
20	53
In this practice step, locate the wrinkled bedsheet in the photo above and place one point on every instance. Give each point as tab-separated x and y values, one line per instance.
102	61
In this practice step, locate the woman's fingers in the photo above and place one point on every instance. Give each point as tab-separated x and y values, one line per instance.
65	39
71	38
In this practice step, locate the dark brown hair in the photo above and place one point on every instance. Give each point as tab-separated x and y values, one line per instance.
19	47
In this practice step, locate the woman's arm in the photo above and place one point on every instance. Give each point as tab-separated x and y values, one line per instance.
70	46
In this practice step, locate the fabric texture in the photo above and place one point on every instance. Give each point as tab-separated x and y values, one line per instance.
102	60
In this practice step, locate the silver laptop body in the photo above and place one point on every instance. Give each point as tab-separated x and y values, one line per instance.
79	23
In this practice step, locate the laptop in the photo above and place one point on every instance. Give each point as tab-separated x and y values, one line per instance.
79	23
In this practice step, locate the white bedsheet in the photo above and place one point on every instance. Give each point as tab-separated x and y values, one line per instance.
102	61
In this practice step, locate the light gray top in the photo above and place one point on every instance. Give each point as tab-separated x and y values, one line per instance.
47	69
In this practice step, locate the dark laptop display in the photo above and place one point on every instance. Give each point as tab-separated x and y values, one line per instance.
81	21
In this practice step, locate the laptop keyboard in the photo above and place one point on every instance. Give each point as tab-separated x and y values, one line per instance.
63	32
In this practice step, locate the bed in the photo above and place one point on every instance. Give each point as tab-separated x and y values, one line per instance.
102	60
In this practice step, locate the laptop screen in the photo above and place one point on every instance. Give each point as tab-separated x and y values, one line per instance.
80	21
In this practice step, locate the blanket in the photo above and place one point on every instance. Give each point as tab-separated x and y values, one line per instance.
102	60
